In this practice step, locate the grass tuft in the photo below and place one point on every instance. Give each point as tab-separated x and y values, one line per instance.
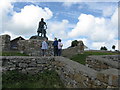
11	53
47	79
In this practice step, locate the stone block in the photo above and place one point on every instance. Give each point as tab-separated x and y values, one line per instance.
32	70
23	65
103	77
109	76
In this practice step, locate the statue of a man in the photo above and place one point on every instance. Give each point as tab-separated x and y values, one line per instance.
42	28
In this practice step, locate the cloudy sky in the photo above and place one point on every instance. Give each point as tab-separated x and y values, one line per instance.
96	23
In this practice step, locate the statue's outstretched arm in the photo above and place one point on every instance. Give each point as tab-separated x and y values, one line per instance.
46	26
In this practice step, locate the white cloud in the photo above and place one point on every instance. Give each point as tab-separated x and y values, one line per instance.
12	36
59	29
97	30
117	45
114	19
108	11
108	45
66	43
68	3
98	45
26	21
83	27
5	8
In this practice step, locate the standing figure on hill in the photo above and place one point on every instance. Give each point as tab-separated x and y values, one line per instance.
55	45
42	28
60	45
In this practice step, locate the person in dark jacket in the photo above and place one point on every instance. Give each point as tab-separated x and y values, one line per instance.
55	45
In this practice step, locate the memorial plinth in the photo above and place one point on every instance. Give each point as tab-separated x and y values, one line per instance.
38	37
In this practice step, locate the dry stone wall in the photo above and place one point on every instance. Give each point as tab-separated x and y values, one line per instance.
76	75
72	74
27	65
103	62
32	47
5	42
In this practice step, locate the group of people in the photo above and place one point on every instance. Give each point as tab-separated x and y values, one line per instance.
57	44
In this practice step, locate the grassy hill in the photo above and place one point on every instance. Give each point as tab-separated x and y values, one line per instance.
82	57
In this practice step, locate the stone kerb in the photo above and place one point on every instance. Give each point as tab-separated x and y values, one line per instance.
102	62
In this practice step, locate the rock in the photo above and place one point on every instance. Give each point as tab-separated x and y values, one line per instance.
23	65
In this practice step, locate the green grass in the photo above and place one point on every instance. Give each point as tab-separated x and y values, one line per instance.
12	54
82	57
47	79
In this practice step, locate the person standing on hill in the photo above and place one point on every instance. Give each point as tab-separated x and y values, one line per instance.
55	45
60	45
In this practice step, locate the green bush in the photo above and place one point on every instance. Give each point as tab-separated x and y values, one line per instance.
74	43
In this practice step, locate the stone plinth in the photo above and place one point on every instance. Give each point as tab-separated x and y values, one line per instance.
38	37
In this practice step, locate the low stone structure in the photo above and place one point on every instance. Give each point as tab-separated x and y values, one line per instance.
27	64
14	43
72	74
79	49
5	42
32	47
103	62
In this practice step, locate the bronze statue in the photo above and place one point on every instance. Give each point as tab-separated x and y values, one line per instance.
42	28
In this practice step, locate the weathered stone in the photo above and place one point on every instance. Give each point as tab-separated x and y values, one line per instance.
102	62
24	71
32	70
32	64
32	47
5	42
71	73
23	65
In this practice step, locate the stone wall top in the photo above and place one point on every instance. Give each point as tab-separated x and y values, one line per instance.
106	60
77	67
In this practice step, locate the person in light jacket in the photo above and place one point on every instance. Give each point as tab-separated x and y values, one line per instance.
60	45
44	47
